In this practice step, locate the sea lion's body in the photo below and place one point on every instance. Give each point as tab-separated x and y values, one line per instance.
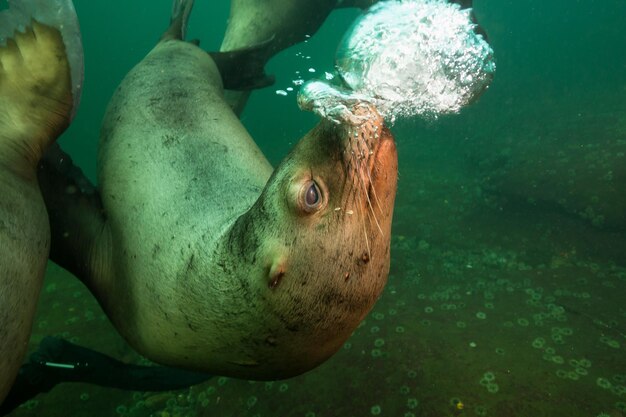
173	176
24	245
36	100
203	263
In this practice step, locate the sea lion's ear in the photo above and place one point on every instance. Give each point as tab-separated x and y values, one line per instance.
244	69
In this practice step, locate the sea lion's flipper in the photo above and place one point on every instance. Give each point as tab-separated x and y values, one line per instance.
77	220
58	360
59	16
241	69
244	69
181	9
40	76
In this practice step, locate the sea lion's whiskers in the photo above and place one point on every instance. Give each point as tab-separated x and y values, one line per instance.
365	167
360	187
353	163
367	242
368	172
369	203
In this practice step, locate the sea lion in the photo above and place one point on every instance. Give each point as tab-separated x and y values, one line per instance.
271	26
203	256
274	25
284	23
37	104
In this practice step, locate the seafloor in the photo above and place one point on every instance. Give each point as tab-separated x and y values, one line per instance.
504	295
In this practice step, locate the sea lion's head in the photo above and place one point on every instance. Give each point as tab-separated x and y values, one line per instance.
320	235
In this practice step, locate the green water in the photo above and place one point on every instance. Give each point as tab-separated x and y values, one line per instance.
508	277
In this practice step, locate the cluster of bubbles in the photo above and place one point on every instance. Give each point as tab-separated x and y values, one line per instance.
408	57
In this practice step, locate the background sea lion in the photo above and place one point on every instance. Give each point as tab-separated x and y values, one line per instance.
271	26
37	103
207	259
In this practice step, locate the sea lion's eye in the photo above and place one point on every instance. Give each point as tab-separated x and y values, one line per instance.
310	197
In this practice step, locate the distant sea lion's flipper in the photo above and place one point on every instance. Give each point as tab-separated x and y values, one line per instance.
57	361
244	69
181	9
77	220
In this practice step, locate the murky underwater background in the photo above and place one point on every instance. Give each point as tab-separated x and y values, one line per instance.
507	289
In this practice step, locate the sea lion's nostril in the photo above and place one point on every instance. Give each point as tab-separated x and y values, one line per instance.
275	279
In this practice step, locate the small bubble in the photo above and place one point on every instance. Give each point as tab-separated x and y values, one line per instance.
281	92
311	69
